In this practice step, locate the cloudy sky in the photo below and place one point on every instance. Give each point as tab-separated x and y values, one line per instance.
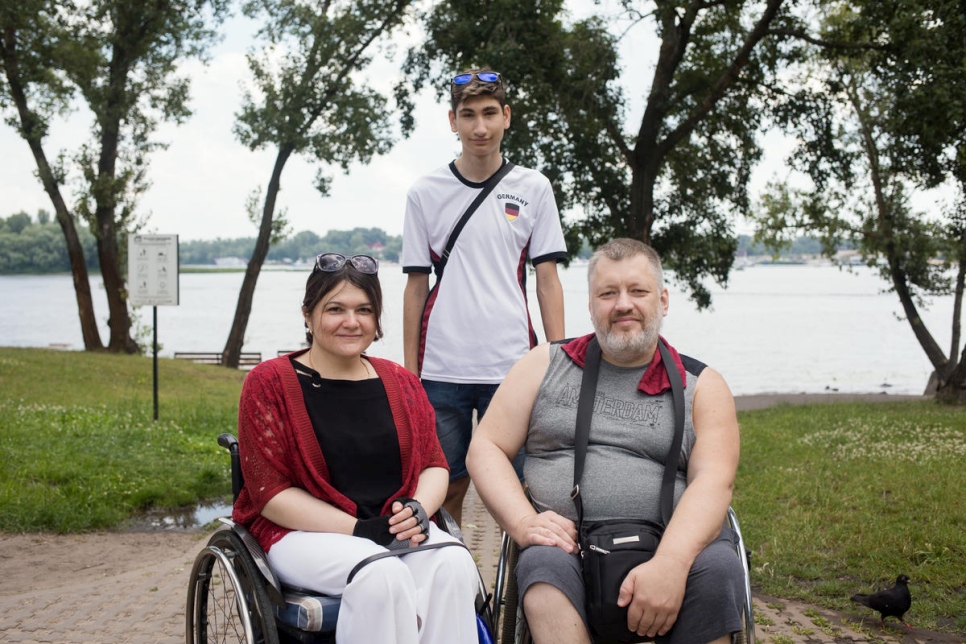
200	183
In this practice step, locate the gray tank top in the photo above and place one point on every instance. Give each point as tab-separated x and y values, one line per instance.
630	435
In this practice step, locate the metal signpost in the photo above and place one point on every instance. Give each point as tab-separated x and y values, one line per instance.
152	278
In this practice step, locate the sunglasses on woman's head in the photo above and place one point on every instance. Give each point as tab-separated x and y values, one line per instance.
486	77
332	262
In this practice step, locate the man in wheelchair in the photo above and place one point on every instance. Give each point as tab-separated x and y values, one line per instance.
341	462
691	591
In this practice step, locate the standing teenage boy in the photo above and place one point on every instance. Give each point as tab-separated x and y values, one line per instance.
463	336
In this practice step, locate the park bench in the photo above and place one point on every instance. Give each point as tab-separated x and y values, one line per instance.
246	361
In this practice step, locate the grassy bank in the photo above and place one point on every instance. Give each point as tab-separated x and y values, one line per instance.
833	499
839	499
79	448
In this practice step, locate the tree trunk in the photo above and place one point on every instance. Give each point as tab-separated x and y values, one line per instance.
884	217
236	337
953	390
107	253
958	302
641	220
75	252
119	321
105	192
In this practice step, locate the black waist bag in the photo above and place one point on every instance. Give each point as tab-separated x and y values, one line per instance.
611	549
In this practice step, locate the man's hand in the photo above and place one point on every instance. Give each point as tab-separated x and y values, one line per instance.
653	593
546	529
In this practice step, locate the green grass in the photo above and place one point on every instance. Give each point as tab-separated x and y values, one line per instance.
833	499
839	499
79	449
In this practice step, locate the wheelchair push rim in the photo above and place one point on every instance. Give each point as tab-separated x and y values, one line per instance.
227	601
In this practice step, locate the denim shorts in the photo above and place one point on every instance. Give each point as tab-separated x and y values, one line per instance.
454	404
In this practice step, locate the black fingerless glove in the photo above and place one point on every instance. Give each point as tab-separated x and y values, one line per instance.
375	529
419	512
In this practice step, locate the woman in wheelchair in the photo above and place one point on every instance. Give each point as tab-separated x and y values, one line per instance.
341	462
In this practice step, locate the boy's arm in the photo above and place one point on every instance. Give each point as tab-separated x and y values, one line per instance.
414	301
551	300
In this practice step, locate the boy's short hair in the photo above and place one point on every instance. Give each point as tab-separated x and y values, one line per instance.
476	87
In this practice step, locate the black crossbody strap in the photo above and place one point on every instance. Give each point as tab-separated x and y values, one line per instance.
488	186
402	552
585	410
671	464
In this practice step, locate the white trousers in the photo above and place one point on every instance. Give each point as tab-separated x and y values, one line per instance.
421	598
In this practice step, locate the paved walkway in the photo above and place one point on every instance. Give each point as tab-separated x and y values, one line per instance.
119	598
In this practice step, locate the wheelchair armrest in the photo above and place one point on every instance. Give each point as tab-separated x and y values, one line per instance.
228	441
446	521
274	586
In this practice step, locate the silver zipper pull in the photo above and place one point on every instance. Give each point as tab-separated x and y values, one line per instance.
600	550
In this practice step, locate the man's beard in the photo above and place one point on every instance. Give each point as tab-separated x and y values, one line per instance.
628	346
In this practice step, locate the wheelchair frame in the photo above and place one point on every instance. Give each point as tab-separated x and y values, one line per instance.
234	596
514	629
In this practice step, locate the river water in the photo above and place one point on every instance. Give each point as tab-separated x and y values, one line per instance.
775	329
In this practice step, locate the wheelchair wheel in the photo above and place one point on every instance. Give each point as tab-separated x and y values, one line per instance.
522	631
513	626
227	600
747	634
509	600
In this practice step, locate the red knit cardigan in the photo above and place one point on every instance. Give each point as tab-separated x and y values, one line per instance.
279	448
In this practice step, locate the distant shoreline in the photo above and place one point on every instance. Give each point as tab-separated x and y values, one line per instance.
762	401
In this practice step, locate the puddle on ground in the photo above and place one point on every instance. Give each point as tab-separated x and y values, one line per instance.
187	519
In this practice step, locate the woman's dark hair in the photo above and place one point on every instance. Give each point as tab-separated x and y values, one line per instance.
321	283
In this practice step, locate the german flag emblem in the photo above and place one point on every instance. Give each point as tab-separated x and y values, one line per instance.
512	211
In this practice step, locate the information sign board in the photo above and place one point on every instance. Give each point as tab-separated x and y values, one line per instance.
152	270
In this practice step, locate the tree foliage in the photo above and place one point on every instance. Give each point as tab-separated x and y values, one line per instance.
302	246
677	176
307	99
876	127
38	247
121	58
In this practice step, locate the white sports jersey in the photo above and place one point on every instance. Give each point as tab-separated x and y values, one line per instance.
476	323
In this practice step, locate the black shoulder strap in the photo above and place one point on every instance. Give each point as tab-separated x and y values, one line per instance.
585	410
488	186
671	464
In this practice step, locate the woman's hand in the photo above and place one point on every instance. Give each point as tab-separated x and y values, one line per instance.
375	529
409	521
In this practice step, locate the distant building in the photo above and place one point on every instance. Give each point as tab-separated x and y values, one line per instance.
231	262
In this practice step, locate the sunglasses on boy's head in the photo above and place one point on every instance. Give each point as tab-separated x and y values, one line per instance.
486	77
332	262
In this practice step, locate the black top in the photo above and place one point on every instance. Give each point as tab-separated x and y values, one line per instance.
357	434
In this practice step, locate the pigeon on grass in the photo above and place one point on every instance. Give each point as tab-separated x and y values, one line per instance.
890	602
